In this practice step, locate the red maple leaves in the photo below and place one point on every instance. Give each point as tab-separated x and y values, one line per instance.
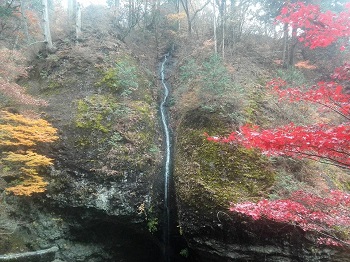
329	216
307	211
342	73
326	94
316	28
318	141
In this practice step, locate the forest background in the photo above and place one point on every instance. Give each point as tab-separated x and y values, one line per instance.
276	71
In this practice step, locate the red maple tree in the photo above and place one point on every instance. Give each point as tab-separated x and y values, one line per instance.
329	142
316	28
318	141
328	216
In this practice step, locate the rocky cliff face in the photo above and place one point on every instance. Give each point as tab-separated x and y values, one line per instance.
102	200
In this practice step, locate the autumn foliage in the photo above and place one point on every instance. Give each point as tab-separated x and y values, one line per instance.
327	216
17	130
19	136
318	141
12	67
319	29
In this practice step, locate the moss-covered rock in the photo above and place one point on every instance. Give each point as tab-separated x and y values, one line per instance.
125	79
94	112
209	174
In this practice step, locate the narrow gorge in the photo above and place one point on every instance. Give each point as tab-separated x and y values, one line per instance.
169	131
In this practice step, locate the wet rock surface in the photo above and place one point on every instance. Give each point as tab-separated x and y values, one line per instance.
213	234
82	234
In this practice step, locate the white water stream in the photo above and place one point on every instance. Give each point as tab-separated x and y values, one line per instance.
166	131
167	158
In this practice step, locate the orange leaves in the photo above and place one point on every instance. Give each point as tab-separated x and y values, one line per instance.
305	64
19	131
35	184
18	134
33	23
176	16
29	159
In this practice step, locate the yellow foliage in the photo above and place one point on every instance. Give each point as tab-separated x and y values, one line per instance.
29	171
176	16
29	159
35	184
17	130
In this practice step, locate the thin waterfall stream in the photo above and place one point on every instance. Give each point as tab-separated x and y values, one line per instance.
167	173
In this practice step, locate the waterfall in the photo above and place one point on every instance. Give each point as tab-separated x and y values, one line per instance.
167	160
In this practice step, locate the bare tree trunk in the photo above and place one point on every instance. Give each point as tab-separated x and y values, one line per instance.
116	10
190	19
285	45
72	11
46	24
292	48
214	24
178	12
222	13
72	5
231	27
286	54
223	27
78	22
145	14
131	22
24	21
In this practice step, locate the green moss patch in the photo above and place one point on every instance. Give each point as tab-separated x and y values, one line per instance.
122	133
209	173
93	112
126	79
117	128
